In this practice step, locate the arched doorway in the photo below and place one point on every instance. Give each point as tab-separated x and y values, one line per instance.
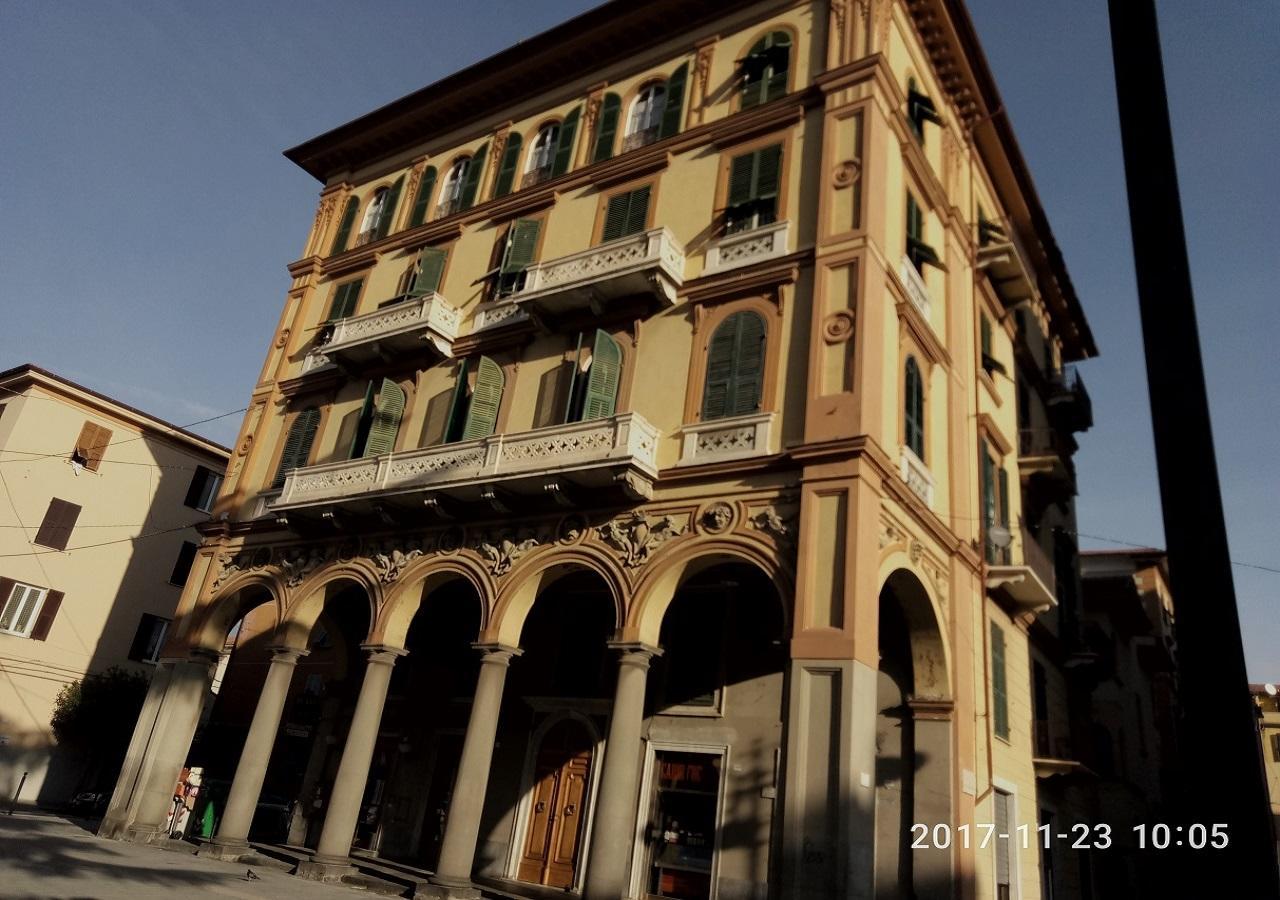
560	782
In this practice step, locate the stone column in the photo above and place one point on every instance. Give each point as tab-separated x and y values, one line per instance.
452	878
122	807
614	826
175	727
331	861
232	840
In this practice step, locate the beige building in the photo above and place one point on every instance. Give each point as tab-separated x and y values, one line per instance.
1266	698
97	535
637	497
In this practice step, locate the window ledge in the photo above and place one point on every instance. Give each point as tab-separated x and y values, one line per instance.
746	247
722	439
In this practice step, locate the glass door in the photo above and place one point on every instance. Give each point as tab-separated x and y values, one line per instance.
681	832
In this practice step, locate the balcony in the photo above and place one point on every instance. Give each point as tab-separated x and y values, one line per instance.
913	284
397	327
746	247
1030	585
917	476
648	264
1069	400
536	176
1044	459
642	137
1003	261
724	439
555	461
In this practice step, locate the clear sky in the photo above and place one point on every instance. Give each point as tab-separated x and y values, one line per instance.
148	215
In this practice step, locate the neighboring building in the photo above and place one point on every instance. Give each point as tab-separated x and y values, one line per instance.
1266	698
97	537
671	361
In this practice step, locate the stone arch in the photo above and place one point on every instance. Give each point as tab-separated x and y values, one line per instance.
930	649
231	603
420	579
307	601
658	587
531	577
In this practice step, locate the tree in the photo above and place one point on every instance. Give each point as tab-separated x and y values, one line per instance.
96	715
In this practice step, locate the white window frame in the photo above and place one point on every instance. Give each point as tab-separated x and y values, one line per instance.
29	591
451	191
645	115
542	155
154	656
372	216
209	492
1009	789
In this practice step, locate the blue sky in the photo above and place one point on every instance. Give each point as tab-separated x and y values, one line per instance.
148	214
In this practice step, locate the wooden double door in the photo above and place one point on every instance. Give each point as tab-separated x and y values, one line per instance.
557	812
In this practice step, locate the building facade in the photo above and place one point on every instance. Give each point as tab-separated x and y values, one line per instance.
1267	700
96	541
631	500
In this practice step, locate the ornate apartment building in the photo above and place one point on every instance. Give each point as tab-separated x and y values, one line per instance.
642	494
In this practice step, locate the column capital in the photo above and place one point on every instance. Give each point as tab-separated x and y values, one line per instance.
496	654
202	656
287	655
634	653
383	654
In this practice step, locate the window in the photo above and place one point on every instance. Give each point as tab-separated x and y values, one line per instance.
913	408
920	109
606	127
593	385
203	489
990	364
422	199
764	70
626	214
518	253
59	519
1040	708
735	367
542	156
995	501
28	610
1004	835
989	232
345	225
149	639
920	253
379	213
461	184
424	274
999	687
645	122
474	411
297	444
379	419
182	567
507	167
345	298
752	197
1275	747
91	446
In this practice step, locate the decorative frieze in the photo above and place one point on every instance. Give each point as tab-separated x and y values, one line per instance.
636	537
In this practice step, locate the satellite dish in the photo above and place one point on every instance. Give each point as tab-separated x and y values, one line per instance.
999	535
1269	688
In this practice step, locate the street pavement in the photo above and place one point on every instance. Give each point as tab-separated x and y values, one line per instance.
44	857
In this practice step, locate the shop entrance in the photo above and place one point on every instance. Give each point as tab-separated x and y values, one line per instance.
560	779
684	797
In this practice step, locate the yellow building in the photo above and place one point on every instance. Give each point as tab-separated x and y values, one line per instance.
1266	698
97	534
681	384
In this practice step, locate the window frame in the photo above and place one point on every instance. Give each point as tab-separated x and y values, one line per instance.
452	186
1000	725
182	550
712	317
536	170
782	139
602	209
205	501
654	92
749	46
32	616
375	206
908	402
155	641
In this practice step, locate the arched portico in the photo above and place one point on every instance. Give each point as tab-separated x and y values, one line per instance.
308	601
530	580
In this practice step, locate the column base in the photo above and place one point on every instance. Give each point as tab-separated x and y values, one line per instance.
144	834
433	891
227	851
328	869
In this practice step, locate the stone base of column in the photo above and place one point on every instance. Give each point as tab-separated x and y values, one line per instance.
330	870
227	851
144	834
447	891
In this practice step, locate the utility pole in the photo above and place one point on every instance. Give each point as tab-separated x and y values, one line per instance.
1221	775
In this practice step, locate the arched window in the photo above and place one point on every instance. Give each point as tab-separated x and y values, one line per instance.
645	121
913	417
735	367
462	183
764	70
379	213
542	155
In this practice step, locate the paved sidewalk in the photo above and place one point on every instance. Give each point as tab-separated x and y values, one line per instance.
44	857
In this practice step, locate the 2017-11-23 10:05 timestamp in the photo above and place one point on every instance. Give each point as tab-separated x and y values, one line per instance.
1081	836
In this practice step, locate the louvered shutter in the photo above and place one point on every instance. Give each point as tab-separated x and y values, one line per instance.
389	205
48	611
720	365
602	383
422	202
522	246
475	170
507	169
59	519
913	385
607	129
768	172
98	449
779	54
344	227
637	210
672	113
615	217
999	688
1003	480
915	219
457	406
387	413
430	268
742	177
297	445
482	416
748	380
564	147
344	300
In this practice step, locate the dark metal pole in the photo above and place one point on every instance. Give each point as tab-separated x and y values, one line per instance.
1221	776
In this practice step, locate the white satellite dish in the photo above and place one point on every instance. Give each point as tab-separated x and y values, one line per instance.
1269	688
999	535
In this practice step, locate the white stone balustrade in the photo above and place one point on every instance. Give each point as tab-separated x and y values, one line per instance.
590	453
721	439
917	476
915	287
746	247
397	326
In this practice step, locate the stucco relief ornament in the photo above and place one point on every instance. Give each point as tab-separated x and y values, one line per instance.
768	520
571	528
838	327
392	564
451	539
717	517
915	551
503	554
230	566
845	173
636	538
299	566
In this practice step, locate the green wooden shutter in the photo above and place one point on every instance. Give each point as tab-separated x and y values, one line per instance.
297	445
742	179
715	390
507	169
637	210
345	226
564	149
344	300
748	380
457	406
389	209
607	129
913	389
602	383
522	246
430	268
768	176
999	686
672	113
779	62
626	214
482	417
386	419
985	333
1003	476
421	203
475	170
